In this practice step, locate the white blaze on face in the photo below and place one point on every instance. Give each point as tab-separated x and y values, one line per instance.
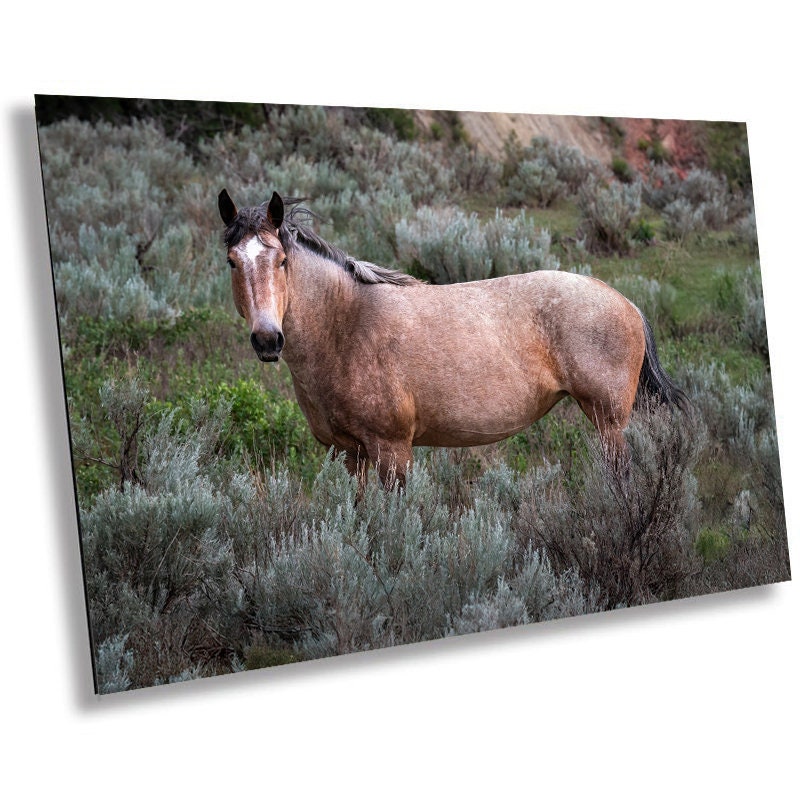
248	253
253	248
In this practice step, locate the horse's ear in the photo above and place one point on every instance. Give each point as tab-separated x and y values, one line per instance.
275	210
227	208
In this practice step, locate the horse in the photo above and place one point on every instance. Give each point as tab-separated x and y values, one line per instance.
382	362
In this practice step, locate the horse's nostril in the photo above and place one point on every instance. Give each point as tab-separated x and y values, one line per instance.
267	342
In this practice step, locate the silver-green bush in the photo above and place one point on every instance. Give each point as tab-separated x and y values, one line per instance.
607	214
546	171
630	538
448	245
700	202
657	300
192	564
534	182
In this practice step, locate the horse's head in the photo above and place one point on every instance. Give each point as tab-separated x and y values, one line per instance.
258	271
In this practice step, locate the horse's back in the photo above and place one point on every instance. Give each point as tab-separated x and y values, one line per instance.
538	315
483	360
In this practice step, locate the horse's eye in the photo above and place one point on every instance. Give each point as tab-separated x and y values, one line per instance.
283	263
231	264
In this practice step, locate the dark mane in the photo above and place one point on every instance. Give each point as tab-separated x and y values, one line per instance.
293	232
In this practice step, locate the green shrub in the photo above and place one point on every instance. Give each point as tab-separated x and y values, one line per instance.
681	219
448	246
607	215
266	427
752	323
643	232
319	154
700	202
149	544
711	544
572	167
661	187
406	570
728	152
197	569
535	182
658	301
739	296
307	131
622	169
127	238
710	195
474	171
516	245
545	171
740	421
113	665
107	281
399	121
729	292
723	404
126	174
374	238
615	130
745	232
654	149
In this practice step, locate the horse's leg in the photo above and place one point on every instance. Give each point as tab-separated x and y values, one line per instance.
610	419
357	463
392	460
616	451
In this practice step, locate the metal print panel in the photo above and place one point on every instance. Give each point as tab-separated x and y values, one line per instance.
340	379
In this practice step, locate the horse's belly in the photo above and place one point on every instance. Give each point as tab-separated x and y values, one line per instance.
464	402
464	437
481	423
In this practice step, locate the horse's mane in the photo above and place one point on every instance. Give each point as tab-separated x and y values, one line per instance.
294	232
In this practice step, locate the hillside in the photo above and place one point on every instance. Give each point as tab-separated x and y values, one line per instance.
637	140
489	132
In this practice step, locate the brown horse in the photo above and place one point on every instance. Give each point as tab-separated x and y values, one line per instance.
382	362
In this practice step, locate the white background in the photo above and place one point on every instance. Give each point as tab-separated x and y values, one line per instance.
679	700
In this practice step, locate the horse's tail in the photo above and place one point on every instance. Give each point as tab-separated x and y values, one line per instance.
654	383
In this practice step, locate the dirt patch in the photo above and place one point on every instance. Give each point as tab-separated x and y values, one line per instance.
679	142
638	141
489	131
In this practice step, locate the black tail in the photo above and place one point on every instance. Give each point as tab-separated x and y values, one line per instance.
654	383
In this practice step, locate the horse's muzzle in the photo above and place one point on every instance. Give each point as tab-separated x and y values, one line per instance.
267	344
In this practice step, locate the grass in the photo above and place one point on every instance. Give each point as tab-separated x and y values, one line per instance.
561	219
194	357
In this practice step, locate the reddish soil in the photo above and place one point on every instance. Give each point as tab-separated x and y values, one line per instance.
680	141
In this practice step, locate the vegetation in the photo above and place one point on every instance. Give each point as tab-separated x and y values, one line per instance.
219	536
